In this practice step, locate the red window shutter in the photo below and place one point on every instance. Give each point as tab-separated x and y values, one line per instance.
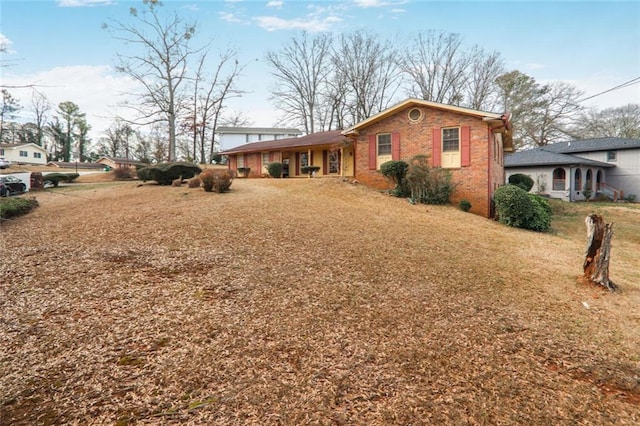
436	140
259	161
272	156
465	146
373	152
325	162
297	163
395	146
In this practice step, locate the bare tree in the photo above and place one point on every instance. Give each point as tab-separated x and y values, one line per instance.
370	72
437	67
160	68
301	69
621	122
41	107
235	119
549	122
480	83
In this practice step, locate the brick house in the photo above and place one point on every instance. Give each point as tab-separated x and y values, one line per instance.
467	142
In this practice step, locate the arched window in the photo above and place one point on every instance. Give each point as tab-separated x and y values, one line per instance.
559	179
589	179
577	183
599	180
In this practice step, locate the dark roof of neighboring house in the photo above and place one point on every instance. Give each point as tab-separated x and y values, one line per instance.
119	159
544	157
257	130
322	138
596	144
71	165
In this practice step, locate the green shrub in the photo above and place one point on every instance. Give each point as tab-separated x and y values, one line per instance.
396	171
522	181
275	169
16	206
308	170
515	207
541	218
166	173
428	185
56	178
464	205
216	180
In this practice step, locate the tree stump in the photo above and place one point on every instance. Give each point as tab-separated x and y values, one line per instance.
596	262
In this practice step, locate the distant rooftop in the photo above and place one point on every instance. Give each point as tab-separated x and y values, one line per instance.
258	131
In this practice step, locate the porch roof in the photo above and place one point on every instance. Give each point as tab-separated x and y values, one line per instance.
543	157
314	139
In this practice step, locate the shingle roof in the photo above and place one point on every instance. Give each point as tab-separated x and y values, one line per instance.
258	130
544	157
322	138
596	144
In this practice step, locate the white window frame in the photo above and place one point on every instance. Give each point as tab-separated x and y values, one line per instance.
383	157
450	158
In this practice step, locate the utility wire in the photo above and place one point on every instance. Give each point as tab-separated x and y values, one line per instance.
620	86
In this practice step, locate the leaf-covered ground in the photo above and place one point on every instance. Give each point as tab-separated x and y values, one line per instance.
306	301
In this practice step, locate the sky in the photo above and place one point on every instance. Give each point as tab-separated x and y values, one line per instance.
61	47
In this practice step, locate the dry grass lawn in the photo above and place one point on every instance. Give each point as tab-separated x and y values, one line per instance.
308	301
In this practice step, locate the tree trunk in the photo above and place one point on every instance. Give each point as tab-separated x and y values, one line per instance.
596	262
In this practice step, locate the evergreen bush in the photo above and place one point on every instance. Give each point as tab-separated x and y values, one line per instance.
309	169
55	178
275	169
166	173
515	207
464	205
522	181
396	171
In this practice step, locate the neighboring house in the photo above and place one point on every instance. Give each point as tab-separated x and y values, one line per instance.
24	153
467	142
231	137
324	149
608	166
117	162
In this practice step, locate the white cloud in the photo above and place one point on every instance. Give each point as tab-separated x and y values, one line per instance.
97	90
5	44
82	3
378	3
230	17
273	23
275	3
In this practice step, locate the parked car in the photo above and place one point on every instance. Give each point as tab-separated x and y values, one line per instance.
4	163
10	185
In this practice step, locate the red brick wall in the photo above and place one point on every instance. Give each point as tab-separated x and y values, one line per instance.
475	182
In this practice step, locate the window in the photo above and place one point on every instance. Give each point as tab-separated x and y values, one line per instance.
37	155
304	159
240	160
2	152
559	179
577	183
589	179
24	154
451	147
383	148
265	158
612	156
334	161
415	114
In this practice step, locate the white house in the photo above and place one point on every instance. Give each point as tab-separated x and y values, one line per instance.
609	166
23	153
231	137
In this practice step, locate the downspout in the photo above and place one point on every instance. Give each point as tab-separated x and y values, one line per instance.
489	147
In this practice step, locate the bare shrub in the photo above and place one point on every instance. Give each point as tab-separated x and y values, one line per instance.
177	182
123	173
216	180
194	182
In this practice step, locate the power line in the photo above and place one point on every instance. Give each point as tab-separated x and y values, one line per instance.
620	86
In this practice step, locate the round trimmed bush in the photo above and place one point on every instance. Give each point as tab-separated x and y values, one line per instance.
275	169
515	207
523	181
